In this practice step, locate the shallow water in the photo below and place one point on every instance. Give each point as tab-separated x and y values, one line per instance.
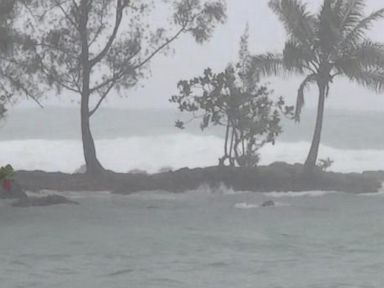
198	239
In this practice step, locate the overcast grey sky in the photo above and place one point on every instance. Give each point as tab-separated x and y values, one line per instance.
266	34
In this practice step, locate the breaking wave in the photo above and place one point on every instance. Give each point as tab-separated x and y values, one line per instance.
153	153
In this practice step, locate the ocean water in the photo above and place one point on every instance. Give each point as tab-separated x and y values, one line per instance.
215	239
205	238
49	139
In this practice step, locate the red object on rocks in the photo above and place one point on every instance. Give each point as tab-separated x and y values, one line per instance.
7	184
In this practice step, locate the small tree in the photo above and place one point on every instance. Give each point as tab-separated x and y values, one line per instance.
324	164
90	47
233	99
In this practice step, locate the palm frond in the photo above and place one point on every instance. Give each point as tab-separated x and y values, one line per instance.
329	32
370	78
297	20
351	14
357	34
300	101
267	64
367	55
297	57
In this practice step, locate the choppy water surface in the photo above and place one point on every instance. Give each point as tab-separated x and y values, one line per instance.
198	239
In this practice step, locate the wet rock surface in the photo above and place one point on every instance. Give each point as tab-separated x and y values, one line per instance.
280	177
15	191
43	201
268	203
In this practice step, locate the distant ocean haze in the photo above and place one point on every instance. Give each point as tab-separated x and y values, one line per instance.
342	129
49	139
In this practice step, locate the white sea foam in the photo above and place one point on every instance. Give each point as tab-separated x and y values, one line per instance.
72	194
298	194
246	205
376	194
151	153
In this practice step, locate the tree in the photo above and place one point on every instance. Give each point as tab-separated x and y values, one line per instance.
90	47
6	13
17	69
330	44
233	99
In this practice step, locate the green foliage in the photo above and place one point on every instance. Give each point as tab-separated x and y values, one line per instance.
6	172
325	164
323	46
120	36
233	99
91	47
6	8
17	65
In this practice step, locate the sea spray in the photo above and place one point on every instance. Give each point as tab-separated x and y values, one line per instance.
152	153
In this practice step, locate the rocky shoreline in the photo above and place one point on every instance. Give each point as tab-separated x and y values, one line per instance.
280	177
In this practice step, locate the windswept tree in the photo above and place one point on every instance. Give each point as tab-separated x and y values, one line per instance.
330	44
234	100
16	63
91	47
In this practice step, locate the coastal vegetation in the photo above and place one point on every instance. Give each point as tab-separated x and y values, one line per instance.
17	64
234	99
82	51
89	48
323	47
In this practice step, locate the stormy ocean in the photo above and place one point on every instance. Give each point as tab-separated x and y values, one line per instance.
206	238
49	139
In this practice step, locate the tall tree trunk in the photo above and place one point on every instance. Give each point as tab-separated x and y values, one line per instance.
310	163
93	165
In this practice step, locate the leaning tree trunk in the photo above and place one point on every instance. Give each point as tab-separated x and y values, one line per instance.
92	164
310	163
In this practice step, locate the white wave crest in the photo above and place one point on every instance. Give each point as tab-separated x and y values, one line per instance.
152	153
299	194
245	205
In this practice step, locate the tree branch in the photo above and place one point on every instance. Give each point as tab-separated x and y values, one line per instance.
66	15
18	85
104	95
111	82
161	47
119	16
115	76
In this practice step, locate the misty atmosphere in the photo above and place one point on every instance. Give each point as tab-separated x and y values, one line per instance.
191	143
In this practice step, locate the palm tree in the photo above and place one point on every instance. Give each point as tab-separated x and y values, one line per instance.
322	47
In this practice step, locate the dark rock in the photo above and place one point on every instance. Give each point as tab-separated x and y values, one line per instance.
268	203
378	175
165	169
281	177
16	191
138	171
43	201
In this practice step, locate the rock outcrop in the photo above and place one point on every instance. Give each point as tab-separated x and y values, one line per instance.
268	203
15	191
280	177
43	201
